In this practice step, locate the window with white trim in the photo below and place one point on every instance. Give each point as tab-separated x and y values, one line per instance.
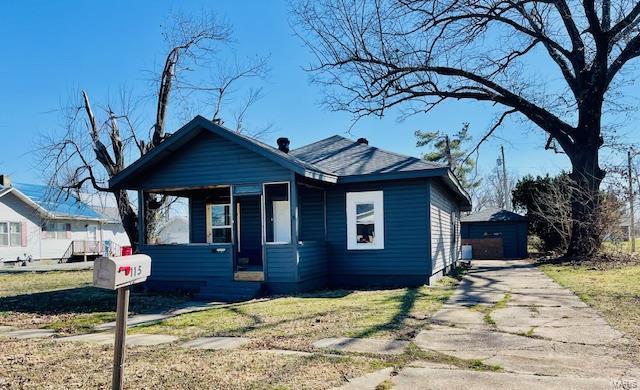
10	234
15	234
57	230
365	220
219	221
4	234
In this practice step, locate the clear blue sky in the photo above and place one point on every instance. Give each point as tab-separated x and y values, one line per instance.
51	49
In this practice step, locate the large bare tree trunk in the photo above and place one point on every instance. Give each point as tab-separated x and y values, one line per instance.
587	176
128	216
585	205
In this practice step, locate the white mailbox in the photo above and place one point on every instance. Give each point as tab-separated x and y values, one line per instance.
115	272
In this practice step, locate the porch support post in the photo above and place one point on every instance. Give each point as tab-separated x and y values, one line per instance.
141	228
293	202
294	209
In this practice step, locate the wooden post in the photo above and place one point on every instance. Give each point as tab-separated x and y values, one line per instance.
122	310
632	235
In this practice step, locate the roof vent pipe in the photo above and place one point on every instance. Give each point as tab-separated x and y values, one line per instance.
363	141
283	144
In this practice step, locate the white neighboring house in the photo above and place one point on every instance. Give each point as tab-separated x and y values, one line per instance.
39	222
174	231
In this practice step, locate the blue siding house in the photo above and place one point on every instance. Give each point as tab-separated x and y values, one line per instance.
269	220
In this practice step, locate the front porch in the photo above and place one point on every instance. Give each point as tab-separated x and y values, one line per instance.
244	240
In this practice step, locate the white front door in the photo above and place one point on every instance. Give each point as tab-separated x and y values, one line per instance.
281	221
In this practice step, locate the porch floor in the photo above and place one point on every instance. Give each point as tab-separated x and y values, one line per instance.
249	276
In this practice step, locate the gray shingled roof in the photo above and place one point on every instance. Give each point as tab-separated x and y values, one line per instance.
288	156
493	215
344	157
334	159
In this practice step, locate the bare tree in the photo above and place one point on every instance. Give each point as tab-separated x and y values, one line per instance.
376	54
491	193
96	145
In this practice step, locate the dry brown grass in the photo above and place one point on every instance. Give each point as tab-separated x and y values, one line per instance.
65	301
296	322
51	365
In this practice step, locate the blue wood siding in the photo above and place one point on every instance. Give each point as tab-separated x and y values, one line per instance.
445	226
407	248
514	235
211	160
311	204
197	220
312	260
281	263
190	262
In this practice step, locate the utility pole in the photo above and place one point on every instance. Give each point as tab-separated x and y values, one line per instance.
632	236
504	181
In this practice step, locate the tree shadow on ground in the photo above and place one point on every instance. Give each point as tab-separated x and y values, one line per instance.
398	321
85	300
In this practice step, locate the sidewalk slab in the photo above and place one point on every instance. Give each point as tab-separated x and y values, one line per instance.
216	343
368	381
364	345
29	333
433	378
106	338
133	321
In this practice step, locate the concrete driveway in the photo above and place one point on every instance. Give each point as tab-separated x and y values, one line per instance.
508	313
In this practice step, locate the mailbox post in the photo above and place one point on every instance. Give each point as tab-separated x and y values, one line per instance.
119	273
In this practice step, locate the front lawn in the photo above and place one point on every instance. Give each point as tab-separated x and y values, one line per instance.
274	323
65	301
614	292
32	364
295	322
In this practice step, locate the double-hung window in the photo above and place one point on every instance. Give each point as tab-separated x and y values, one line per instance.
365	220
57	230
10	234
15	233
4	234
219	223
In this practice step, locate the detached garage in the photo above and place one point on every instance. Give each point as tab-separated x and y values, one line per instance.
495	234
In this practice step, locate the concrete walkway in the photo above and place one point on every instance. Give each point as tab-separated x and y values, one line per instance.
509	314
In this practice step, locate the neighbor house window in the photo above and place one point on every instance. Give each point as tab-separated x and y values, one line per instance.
365	220
219	223
4	234
15	233
10	234
277	213
56	230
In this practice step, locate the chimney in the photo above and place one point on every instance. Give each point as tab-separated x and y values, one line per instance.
5	181
283	144
362	141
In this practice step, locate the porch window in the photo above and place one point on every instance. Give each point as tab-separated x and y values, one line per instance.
277	213
219	221
365	220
